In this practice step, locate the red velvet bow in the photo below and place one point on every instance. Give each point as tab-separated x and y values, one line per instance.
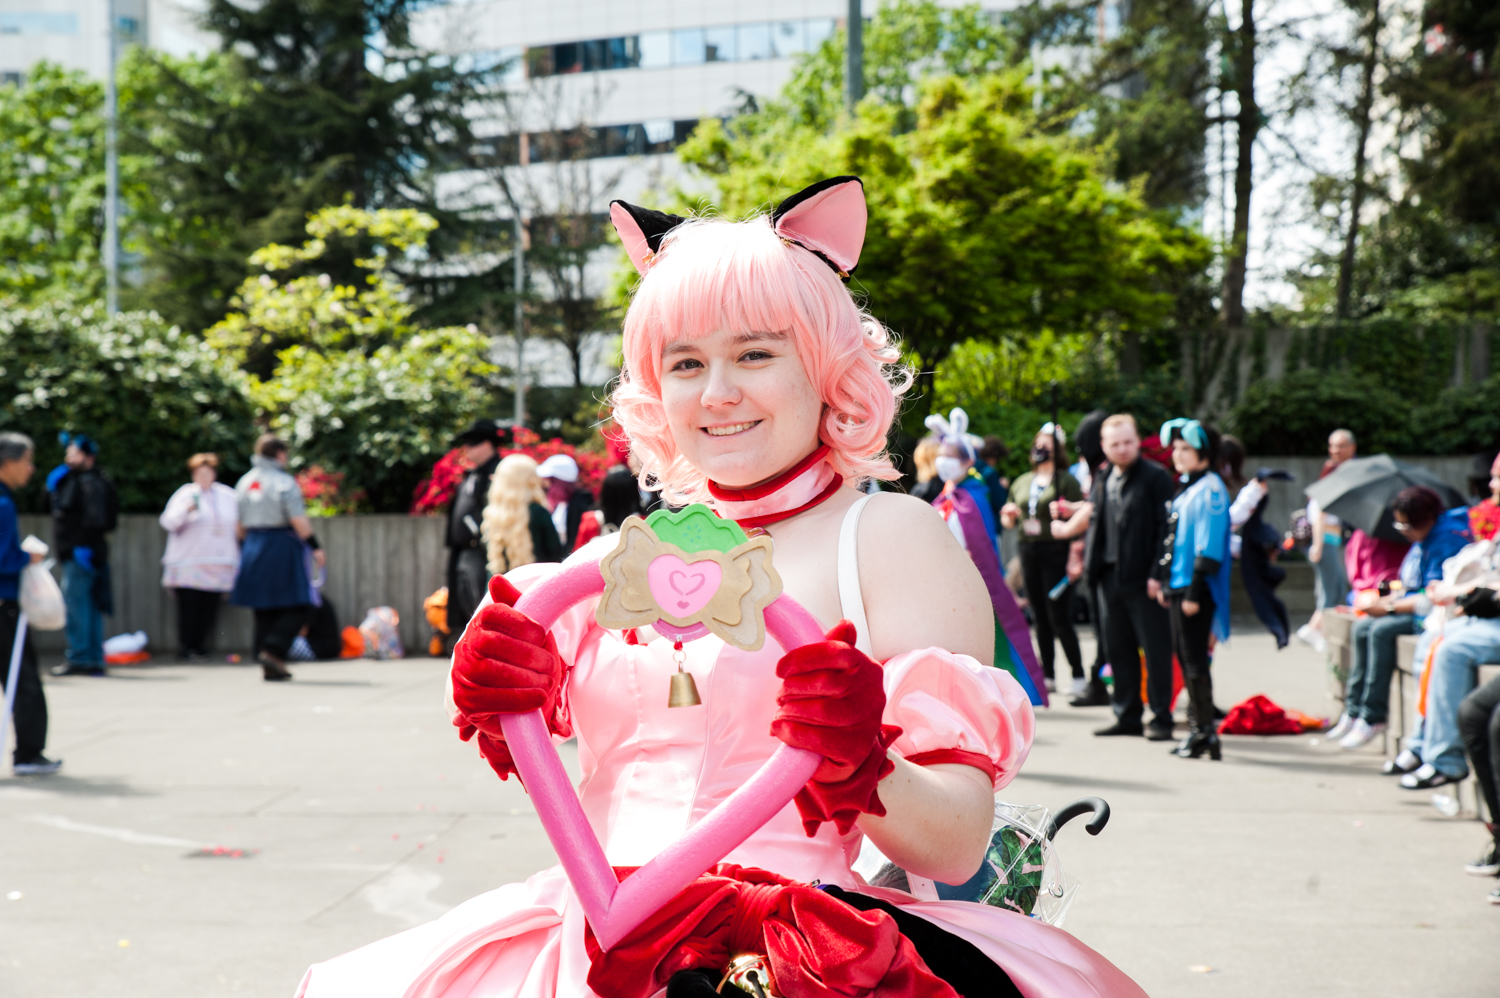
831	701
815	945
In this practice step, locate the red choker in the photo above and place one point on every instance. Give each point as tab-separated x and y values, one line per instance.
798	490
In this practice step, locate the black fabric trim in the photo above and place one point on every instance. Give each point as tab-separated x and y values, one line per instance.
654	224
803	195
957	961
810	192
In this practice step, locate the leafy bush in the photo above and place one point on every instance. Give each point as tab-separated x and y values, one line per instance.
150	394
1296	414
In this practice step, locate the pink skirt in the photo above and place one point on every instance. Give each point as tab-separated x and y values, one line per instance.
526	941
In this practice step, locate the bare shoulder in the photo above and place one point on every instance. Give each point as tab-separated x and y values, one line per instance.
920	586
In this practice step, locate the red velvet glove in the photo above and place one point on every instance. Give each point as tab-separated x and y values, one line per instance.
505	663
832	696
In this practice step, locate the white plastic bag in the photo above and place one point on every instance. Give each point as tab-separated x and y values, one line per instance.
126	644
41	598
379	629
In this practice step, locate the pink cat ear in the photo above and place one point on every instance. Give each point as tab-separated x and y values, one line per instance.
828	218
641	230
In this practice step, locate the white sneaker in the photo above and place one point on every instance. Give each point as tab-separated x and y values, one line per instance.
1051	685
1312	637
1340	728
1080	686
1361	734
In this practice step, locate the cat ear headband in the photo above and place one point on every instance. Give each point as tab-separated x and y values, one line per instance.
827	219
1188	429
953	430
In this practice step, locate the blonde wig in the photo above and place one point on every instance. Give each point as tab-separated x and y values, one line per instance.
925	458
507	515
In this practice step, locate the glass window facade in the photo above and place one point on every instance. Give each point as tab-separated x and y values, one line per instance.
682	47
598	142
36	23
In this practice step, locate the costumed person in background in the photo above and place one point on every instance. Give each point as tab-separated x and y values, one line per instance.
992	451
1255	542
467	575
277	557
203	553
752	380
567	500
1197	595
962	509
517	528
929	485
1070	522
1044	558
84	509
619	493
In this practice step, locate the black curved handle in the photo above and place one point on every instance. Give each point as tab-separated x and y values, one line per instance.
1084	805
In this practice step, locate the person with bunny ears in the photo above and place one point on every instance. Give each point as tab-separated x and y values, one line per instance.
754	383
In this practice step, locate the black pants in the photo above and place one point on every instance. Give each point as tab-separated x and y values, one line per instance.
468	583
1190	637
277	627
1262	576
1134	621
30	715
1479	726
197	612
1043	565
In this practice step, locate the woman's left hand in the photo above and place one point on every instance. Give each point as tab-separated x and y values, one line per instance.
831	702
1189	608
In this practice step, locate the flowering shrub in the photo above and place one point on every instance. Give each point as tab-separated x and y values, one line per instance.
435	492
1484	520
323	492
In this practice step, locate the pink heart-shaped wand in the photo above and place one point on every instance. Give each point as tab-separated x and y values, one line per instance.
613	908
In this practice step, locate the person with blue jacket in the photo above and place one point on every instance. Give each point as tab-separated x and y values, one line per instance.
1197	555
1435	535
30	703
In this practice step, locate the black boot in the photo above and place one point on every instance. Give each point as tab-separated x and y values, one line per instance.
1203	737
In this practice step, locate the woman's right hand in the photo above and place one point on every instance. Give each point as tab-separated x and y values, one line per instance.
505	663
1009	514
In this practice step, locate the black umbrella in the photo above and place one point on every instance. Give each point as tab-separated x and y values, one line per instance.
1360	491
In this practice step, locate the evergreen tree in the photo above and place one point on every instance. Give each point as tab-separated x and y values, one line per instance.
308	103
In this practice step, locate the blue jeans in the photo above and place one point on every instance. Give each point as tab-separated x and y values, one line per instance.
1368	694
1330	582
85	626
1455	671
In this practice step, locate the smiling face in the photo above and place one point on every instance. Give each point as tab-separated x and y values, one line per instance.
1185	457
740	406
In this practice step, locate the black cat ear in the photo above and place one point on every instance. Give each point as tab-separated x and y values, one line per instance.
641	230
827	218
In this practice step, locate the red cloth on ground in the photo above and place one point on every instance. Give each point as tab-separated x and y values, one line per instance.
505	663
815	945
832	696
1260	716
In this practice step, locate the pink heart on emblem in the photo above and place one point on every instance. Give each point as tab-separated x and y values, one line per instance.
680	588
614	908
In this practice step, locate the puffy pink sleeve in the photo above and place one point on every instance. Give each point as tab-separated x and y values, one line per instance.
952	709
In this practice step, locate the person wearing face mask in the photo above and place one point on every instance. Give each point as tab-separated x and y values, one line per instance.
1044	558
1196	554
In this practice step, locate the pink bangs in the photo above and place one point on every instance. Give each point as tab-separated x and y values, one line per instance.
739	276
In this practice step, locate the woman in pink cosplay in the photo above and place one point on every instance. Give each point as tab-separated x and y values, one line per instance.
754	383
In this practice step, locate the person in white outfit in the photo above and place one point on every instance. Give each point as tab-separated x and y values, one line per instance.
202	553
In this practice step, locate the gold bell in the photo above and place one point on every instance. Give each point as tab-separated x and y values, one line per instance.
684	690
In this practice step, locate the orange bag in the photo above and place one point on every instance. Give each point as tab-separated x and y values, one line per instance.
354	643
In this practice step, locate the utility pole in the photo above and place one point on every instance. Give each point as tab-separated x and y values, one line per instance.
854	64
518	258
111	175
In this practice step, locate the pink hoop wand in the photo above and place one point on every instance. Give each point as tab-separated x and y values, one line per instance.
613	908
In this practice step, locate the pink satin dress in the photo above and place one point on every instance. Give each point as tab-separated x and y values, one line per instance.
650	772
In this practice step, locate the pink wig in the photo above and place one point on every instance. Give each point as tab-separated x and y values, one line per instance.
742	277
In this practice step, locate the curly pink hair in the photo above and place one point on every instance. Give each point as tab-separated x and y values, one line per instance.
713	274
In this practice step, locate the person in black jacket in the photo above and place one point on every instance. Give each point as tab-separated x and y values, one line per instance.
1122	559
468	576
84	509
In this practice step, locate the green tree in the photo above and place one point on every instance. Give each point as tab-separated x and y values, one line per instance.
150	394
982	226
354	384
307	103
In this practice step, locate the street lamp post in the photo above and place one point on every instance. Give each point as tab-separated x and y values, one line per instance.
111	173
854	68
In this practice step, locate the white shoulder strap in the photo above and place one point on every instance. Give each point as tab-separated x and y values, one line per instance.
851	599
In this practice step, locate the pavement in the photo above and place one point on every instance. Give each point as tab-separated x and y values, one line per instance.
212	834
